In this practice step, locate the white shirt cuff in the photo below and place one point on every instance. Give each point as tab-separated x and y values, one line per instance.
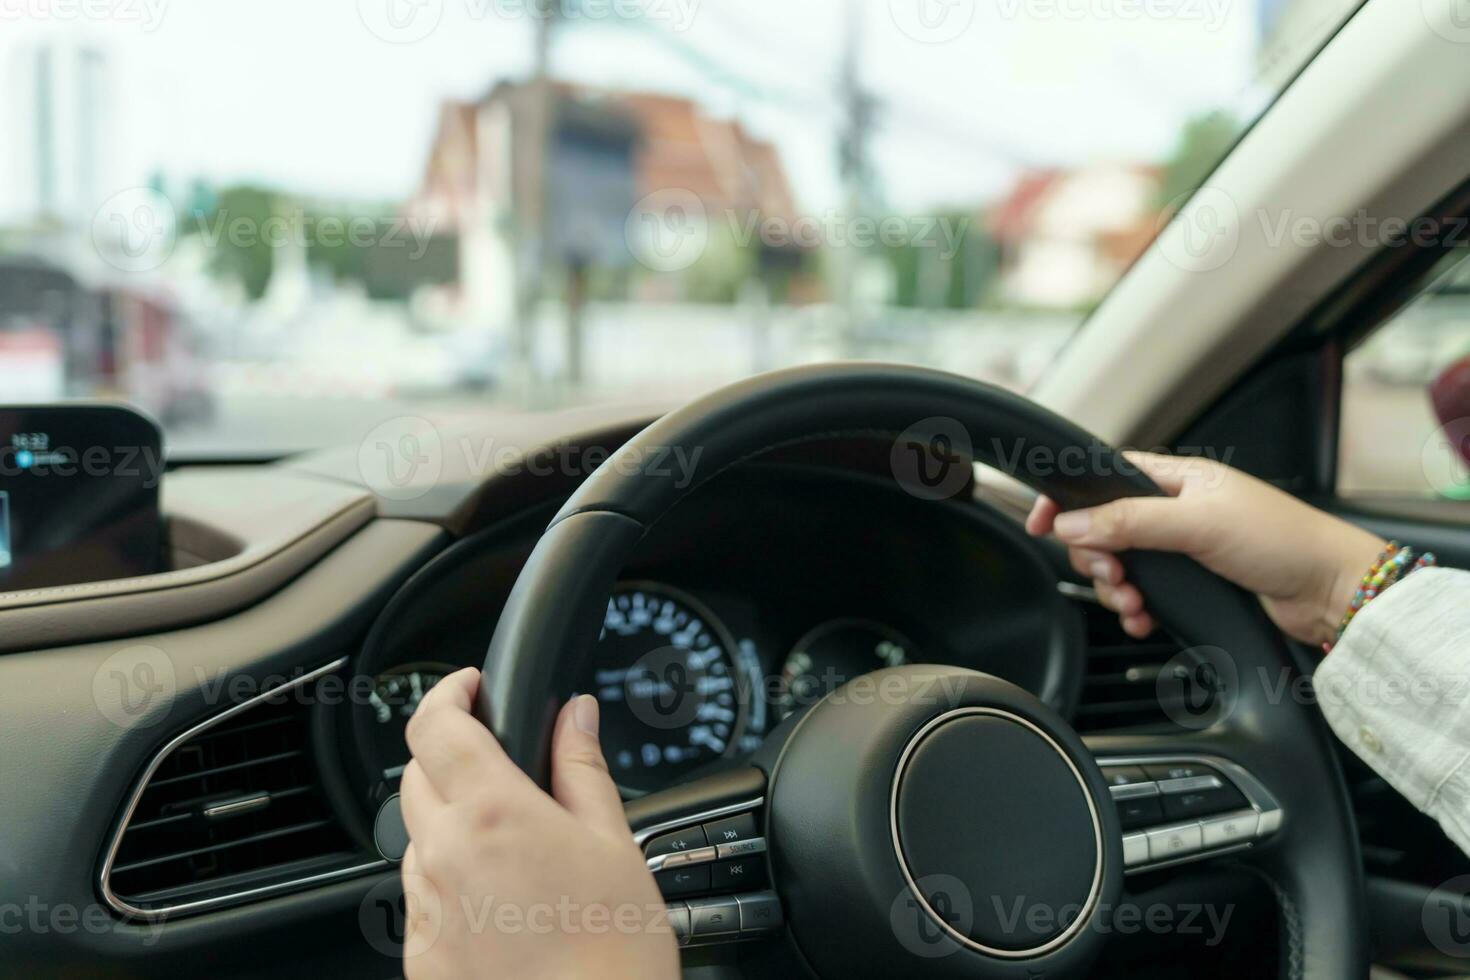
1396	690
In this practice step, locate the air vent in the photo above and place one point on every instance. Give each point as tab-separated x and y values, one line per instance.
1121	690
233	807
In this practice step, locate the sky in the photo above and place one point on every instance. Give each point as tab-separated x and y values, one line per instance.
339	98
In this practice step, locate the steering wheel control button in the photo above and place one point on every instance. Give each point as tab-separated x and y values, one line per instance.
1189	784
1146	812
1116	776
1237	828
731	830
1135	849
1133	791
1222	799
688	839
1173	842
679	922
683	881
680	859
1226	805
712	918
740	873
759	912
742	848
1164	772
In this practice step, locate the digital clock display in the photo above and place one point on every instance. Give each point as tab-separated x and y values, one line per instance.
78	495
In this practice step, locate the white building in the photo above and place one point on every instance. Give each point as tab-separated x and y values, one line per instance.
1067	235
55	112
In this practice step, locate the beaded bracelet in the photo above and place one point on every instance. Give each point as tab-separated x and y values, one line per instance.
1393	564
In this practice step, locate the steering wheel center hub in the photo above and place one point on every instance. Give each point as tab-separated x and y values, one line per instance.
955	819
996	833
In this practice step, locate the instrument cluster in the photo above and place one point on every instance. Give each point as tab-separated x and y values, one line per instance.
750	602
680	693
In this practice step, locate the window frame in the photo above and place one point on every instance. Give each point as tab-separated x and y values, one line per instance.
1295	391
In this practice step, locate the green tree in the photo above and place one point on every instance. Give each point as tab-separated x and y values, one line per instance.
938	271
234	232
1202	144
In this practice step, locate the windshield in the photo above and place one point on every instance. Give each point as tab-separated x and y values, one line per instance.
274	224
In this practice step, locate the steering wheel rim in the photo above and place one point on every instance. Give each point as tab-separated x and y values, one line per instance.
1313	865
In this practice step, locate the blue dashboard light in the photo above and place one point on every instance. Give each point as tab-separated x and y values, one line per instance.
4	529
25	459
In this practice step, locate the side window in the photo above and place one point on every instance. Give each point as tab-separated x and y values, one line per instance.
1406	397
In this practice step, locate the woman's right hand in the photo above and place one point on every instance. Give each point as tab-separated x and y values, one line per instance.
1304	564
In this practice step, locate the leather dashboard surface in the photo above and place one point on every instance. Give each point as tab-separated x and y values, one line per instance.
261	526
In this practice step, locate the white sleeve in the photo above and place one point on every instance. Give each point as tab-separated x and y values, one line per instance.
1395	688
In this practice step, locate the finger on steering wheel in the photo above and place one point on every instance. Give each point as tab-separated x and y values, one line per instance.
1098	565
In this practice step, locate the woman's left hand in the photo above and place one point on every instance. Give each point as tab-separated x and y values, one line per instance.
502	879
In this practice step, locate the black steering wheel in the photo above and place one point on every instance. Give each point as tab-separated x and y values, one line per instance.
902	832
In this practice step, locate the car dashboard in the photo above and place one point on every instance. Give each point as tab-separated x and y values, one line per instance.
204	751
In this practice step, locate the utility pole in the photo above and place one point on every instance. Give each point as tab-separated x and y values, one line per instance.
859	110
535	156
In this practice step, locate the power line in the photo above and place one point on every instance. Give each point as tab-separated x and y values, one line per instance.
901	113
719	73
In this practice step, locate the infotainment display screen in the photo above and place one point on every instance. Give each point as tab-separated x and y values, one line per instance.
78	495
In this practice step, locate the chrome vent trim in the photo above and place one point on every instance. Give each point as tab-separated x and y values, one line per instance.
131	911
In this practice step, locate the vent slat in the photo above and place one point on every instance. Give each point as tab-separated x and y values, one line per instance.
1135	674
234	727
220	770
1120	690
1163	651
1116	707
157	821
216	848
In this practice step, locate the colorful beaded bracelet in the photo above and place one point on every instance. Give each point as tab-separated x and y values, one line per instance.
1393	564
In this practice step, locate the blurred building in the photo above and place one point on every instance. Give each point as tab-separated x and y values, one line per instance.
484	184
54	107
60	338
1066	236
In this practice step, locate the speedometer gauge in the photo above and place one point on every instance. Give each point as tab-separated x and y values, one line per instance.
395	696
664	672
833	654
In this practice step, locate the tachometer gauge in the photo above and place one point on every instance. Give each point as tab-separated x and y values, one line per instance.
833	654
396	695
672	698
